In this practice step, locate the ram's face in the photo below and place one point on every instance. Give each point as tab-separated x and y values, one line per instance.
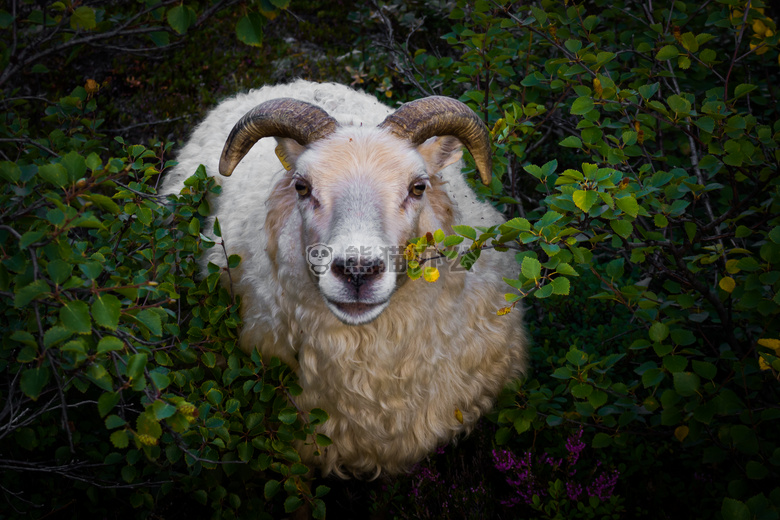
362	193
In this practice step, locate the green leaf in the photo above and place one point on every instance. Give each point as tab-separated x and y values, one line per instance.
152	321
581	390
215	397
531	268
686	383
629	205
323	440
209	359
732	509
466	231
561	285
162	410
743	89
523	224
104	203
160	38
584	199
75	164
55	174
755	470
704	368
288	415
245	451
706	123
601	440
180	18
576	357
292	503
106	310
582	105
59	271
658	331
271	488
30	292
135	366
194	227
83	18
679	104
33	381
30	237
114	421
160	381
452	240
622	227
120	439
100	376
91	269
648	91
544	291
573	45
571	142
249	29
146	424
75	317
107	402
675	363
109	343
10	171
667	52
55	335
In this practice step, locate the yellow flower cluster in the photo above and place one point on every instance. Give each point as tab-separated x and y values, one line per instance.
761	31
774	344
188	411
146	439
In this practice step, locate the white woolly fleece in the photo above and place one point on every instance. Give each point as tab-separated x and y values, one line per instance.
393	387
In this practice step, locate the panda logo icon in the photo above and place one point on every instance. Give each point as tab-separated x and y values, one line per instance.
319	257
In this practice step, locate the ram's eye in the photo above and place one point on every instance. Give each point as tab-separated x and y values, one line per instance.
417	190
303	188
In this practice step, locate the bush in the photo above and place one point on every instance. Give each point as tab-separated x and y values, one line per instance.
122	371
662	200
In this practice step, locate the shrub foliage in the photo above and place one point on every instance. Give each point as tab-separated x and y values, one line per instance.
637	160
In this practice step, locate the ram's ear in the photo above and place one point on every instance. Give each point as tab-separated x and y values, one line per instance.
441	151
288	151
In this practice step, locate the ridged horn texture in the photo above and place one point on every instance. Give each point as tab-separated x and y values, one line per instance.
438	115
281	117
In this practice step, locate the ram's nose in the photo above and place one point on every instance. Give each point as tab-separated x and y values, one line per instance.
357	271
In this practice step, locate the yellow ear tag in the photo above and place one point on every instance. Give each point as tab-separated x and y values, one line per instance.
280	153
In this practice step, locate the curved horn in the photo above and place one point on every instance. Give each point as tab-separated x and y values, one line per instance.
282	117
438	115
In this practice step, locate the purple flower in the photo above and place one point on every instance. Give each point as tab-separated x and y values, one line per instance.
504	460
573	490
422	476
603	485
520	475
574	446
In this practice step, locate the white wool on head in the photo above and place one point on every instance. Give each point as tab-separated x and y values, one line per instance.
394	387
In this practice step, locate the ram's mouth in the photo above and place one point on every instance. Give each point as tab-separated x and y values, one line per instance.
356	313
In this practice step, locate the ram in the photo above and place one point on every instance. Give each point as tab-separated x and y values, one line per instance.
320	217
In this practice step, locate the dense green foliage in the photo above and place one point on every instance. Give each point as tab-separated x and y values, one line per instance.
664	191
637	155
